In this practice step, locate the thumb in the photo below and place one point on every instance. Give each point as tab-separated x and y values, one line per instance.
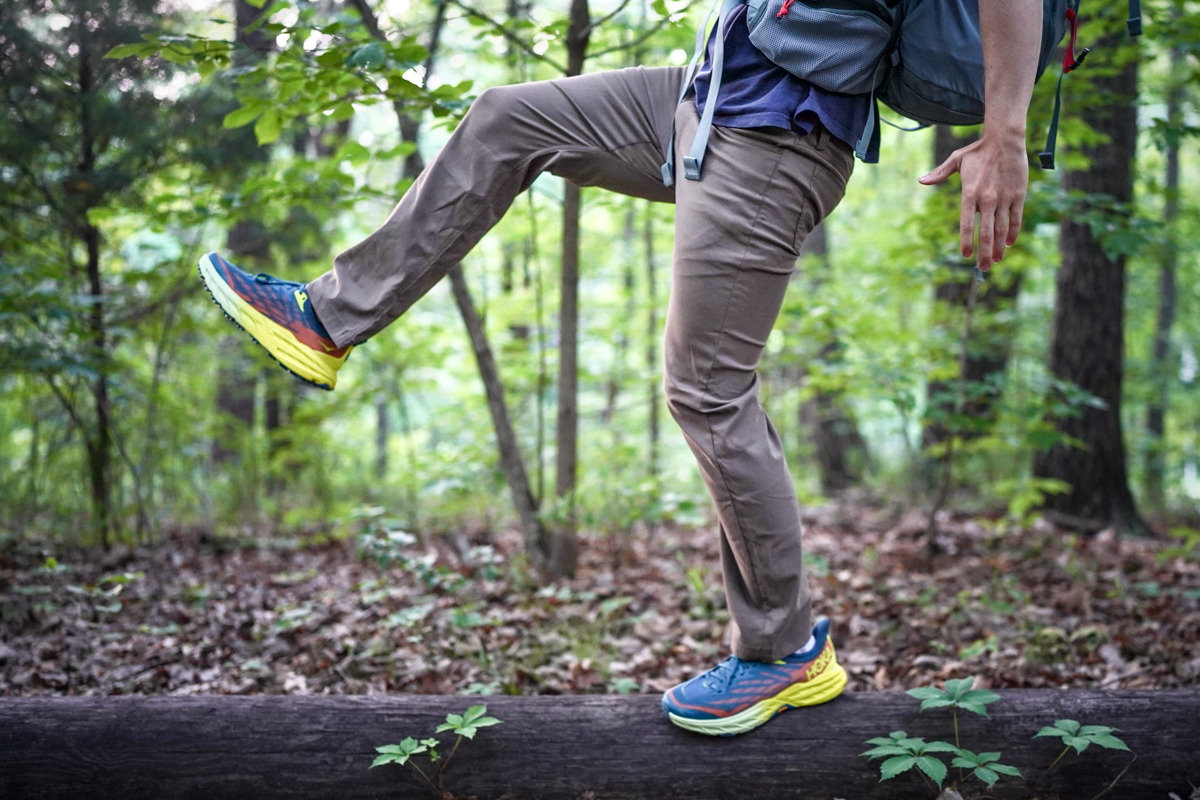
942	172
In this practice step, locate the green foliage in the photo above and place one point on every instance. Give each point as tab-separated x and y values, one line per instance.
956	694
1072	734
1188	547
984	766
904	754
469	723
464	725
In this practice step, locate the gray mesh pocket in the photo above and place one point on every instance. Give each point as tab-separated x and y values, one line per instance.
836	49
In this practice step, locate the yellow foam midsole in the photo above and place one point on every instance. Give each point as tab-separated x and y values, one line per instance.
279	341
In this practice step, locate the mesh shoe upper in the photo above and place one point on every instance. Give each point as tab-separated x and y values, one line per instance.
736	684
284	302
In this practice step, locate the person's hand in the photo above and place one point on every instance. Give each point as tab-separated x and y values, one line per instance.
995	177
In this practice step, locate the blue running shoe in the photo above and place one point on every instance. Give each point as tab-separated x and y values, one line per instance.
279	316
737	696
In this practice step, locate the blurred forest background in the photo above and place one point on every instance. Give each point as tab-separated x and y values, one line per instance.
524	394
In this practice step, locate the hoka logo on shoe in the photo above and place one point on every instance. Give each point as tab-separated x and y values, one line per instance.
821	662
301	297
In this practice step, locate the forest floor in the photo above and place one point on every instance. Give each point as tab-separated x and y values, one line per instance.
385	613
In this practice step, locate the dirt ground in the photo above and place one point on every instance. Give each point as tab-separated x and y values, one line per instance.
385	612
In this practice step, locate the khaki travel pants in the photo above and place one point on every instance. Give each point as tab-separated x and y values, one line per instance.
738	232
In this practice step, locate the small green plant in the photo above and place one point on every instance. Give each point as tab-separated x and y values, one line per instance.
984	766
464	726
1079	736
956	694
907	753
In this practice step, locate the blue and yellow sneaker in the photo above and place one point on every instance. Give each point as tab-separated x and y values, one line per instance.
278	315
737	696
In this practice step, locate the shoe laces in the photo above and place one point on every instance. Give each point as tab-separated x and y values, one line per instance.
722	675
271	280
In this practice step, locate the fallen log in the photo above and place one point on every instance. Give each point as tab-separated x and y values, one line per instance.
561	747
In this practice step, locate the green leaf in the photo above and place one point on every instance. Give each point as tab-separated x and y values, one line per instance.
268	128
940	747
485	722
1109	741
934	768
981	696
987	776
958	687
926	693
389	748
240	117
1005	769
660	7
936	702
381	760
354	152
1068	725
139	49
468	732
342	112
885	750
290	87
369	56
256	3
975	708
895	766
1078	742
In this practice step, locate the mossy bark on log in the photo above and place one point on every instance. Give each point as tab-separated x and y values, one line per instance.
559	747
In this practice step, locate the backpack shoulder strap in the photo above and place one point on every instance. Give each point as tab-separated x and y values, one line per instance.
694	160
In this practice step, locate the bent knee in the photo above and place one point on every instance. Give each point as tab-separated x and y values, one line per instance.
717	396
492	106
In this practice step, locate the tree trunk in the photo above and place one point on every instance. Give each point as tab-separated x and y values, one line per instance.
382	435
839	449
100	449
567	431
290	747
1087	344
1160	368
541	547
100	453
655	387
545	551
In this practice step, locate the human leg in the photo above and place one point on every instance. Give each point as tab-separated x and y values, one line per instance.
607	129
738	232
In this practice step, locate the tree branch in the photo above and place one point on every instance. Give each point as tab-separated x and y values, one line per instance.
658	26
597	23
507	34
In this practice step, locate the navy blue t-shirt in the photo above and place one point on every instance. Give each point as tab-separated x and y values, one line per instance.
757	93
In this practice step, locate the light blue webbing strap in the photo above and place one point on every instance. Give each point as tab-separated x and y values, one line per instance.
864	141
694	160
668	167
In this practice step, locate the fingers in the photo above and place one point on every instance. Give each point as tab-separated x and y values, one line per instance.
1014	222
966	225
1001	234
943	170
987	228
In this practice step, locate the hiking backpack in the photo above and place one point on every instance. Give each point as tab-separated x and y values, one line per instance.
922	58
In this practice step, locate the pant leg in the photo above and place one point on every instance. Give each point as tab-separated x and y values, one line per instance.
606	129
738	233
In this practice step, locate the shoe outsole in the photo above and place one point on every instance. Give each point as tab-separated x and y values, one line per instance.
821	689
205	278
